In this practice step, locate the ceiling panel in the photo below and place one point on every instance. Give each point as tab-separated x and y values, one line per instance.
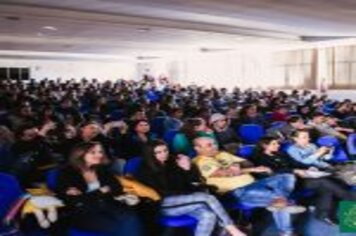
157	27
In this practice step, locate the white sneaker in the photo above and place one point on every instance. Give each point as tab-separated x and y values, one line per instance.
294	209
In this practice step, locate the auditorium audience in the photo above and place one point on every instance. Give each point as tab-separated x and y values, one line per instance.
76	125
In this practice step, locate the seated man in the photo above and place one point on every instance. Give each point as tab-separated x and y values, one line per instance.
226	172
284	132
318	122
333	122
225	135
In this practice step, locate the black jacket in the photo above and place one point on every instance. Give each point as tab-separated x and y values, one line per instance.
70	177
171	180
279	162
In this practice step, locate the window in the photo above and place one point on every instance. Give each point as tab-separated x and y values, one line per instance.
15	73
3	73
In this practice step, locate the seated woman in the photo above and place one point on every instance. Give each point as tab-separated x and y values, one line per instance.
178	183
139	134
249	115
268	154
192	128
89	191
308	153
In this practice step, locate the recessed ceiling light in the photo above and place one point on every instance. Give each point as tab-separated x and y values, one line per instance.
14	18
146	57
48	27
143	29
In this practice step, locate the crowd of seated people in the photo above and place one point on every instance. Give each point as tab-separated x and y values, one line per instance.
88	131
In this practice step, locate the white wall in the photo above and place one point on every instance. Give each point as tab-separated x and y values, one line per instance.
342	94
196	70
215	69
53	69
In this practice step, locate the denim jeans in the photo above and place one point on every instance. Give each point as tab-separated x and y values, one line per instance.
261	194
202	206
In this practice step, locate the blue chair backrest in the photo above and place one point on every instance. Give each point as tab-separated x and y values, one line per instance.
328	141
351	144
132	166
285	146
293	113
268	115
117	114
328	110
339	156
78	232
277	124
331	141
10	191
152	95
251	133
168	137
245	151
157	125
52	179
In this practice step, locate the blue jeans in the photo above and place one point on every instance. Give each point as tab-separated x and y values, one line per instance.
261	194
202	206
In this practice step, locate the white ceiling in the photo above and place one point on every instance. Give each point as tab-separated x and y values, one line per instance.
135	28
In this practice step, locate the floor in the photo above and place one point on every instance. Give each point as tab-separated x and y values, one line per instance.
308	225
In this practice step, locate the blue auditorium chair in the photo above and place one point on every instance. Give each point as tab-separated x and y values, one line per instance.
245	151
168	137
331	141
132	165
251	133
10	192
157	125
